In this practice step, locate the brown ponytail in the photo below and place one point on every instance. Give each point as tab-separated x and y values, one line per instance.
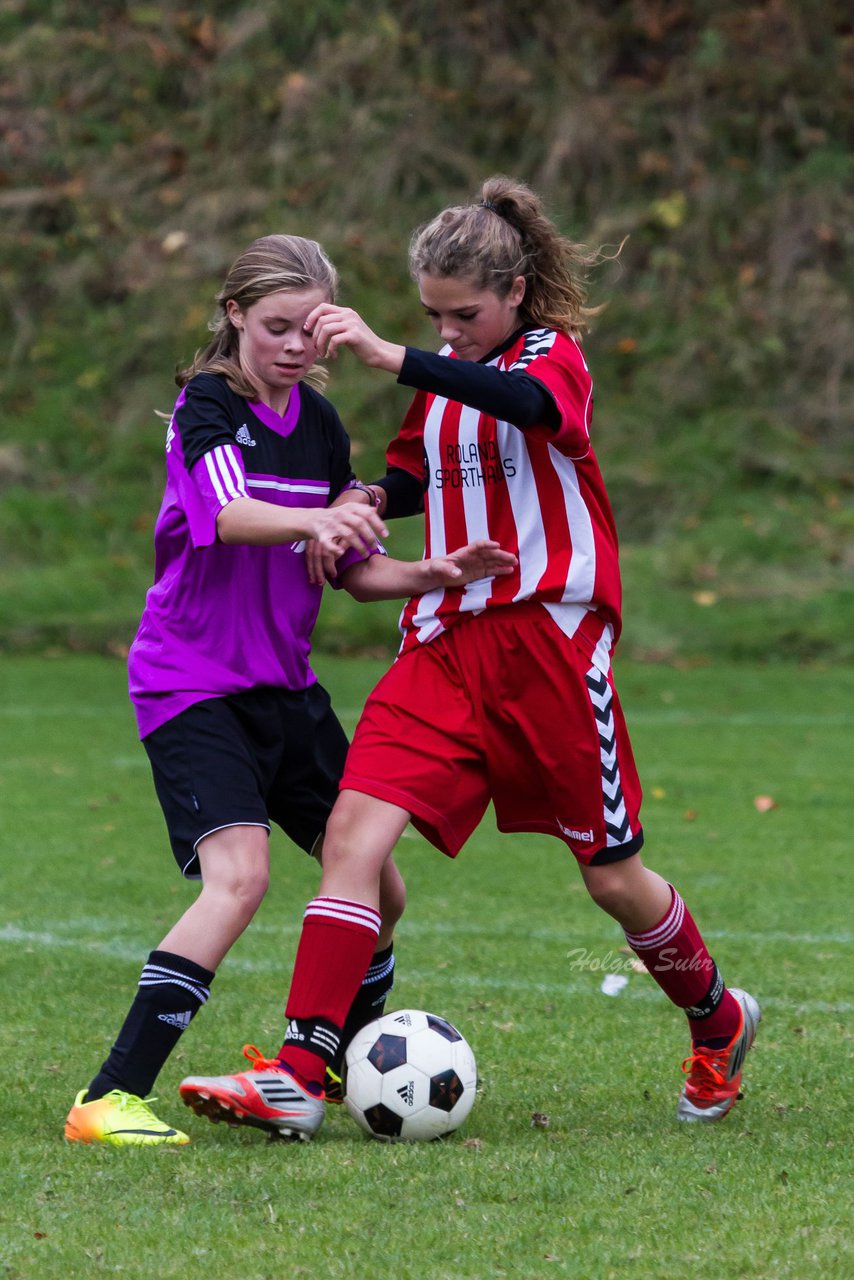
504	235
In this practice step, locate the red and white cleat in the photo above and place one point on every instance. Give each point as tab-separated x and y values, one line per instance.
267	1097
714	1075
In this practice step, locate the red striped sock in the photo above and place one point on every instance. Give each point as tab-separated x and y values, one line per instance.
335	949
677	959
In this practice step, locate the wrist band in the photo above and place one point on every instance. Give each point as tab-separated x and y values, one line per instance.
363	488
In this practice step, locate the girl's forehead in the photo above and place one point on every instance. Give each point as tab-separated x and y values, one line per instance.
451	293
291	302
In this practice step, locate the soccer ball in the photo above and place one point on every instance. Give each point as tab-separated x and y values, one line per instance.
410	1077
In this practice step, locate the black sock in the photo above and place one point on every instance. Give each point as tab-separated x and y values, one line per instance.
171	991
369	1002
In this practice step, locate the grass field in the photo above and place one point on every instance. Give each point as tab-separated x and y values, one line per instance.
506	945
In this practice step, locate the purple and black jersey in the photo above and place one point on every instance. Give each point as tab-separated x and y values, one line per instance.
221	619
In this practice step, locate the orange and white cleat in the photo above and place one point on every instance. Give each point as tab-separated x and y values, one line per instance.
119	1120
714	1075
266	1097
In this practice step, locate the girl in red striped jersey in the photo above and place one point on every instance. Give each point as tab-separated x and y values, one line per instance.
503	689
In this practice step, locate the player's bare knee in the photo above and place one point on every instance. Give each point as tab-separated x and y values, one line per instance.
608	888
252	887
392	895
241	893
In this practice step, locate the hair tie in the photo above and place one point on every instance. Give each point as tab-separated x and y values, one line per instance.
487	204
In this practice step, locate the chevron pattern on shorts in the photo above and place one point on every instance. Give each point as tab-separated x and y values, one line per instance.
616	819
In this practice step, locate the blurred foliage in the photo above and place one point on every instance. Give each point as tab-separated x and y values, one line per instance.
143	146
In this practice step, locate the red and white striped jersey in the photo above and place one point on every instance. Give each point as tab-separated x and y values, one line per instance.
538	492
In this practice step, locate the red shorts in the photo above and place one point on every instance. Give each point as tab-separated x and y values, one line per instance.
502	707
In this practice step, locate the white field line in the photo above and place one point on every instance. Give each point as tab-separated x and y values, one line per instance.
664	716
560	937
119	949
688	719
69	710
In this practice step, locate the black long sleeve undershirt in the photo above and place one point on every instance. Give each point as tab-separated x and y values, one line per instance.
404	493
512	397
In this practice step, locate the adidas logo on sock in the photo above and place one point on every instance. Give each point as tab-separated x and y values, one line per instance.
180	1020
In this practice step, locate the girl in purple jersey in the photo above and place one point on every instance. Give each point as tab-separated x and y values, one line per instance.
496	440
237	729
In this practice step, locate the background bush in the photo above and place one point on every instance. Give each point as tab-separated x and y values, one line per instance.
144	145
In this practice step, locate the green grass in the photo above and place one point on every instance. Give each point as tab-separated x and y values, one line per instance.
507	945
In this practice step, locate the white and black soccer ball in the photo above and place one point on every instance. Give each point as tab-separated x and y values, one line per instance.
410	1077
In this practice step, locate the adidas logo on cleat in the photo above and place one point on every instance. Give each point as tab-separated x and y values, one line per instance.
278	1093
739	1053
180	1020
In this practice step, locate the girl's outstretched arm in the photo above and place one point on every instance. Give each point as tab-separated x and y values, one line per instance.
381	578
512	396
334	529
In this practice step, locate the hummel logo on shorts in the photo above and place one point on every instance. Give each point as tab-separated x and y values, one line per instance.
574	834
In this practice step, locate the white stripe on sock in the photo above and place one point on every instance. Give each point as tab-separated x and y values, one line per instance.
662	933
335	910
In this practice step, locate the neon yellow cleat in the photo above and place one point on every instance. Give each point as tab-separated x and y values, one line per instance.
119	1119
333	1087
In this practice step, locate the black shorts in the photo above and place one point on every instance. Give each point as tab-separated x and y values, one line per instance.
247	759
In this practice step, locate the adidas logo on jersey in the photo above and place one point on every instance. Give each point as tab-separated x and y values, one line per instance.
179	1020
243	436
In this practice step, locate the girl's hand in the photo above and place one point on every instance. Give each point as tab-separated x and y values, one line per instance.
331	327
313	550
335	529
482	559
